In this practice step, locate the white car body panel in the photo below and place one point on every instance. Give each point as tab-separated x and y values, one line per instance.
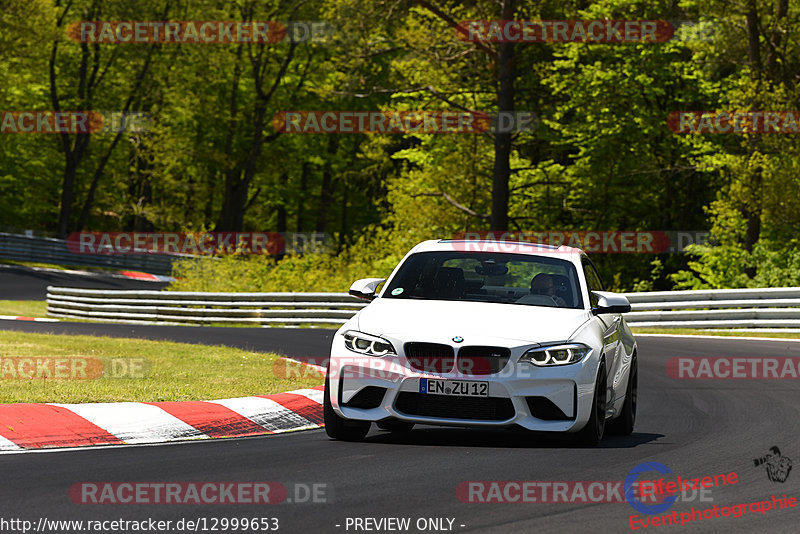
518	327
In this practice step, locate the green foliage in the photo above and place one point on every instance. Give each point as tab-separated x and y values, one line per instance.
373	255
778	264
601	157
720	267
648	284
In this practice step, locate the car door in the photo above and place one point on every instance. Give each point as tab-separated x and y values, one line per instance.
610	323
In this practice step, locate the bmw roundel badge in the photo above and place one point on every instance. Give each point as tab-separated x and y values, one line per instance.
458	339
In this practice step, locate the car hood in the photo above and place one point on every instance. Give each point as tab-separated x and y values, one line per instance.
435	319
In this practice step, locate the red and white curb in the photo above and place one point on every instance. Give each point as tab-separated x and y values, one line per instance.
42	426
22	318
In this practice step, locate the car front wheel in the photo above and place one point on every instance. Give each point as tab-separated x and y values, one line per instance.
592	433
623	425
337	427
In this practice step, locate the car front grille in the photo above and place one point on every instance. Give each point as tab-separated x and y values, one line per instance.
430	357
482	360
451	407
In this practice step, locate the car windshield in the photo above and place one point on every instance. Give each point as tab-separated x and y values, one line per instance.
486	277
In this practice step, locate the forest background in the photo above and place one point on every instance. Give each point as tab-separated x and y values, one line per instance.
601	156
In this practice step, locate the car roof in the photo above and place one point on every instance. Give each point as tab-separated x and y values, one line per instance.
497	246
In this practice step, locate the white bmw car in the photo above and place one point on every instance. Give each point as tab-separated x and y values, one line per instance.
485	334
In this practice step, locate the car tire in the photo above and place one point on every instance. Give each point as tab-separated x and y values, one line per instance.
592	433
623	424
395	425
337	427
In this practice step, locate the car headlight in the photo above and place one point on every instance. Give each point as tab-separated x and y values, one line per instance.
366	344
556	354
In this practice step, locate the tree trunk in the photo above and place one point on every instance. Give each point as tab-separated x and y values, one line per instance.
343	220
281	208
238	184
301	198
140	189
752	209
73	151
232	173
67	194
328	187
502	140
101	166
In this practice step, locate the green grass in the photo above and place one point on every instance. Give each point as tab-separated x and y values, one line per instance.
26	308
170	371
693	332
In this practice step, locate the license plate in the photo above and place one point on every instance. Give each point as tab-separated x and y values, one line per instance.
462	388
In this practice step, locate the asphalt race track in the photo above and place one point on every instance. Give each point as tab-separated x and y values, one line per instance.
697	428
23	283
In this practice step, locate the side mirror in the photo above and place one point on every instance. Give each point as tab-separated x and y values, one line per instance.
608	302
365	288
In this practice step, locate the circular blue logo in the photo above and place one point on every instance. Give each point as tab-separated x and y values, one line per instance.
630	481
458	339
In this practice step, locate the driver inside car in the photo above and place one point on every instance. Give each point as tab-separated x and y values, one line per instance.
542	284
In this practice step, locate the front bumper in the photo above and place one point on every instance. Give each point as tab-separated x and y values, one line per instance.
550	399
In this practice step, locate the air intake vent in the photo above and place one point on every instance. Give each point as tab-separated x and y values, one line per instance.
367	398
447	407
543	408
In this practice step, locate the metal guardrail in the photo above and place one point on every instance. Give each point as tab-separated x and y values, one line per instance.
201	308
49	250
776	307
724	308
